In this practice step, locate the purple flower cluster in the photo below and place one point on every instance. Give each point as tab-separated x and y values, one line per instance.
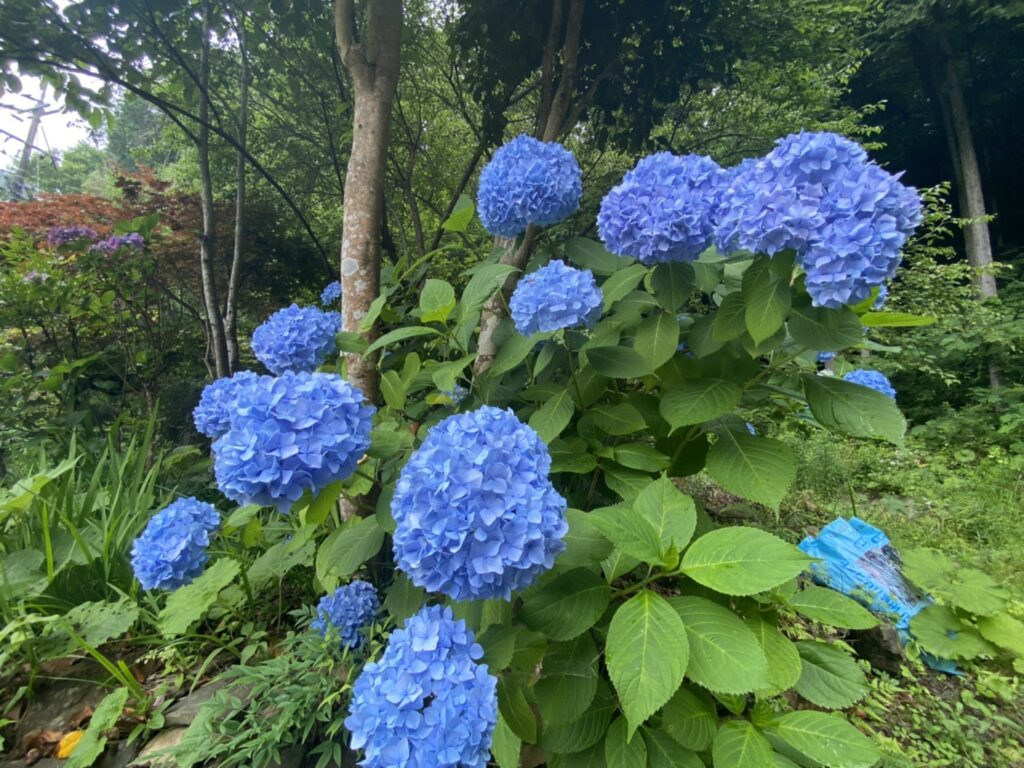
477	516
350	609
289	434
133	241
212	416
819	195
871	379
428	702
555	296
664	209
58	236
171	551
296	338
528	182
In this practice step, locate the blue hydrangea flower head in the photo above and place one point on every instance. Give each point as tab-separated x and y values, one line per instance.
351	607
296	338
820	195
476	515
212	416
528	182
553	297
330	295
291	433
428	702
872	379
664	209
826	357
133	241
171	551
456	394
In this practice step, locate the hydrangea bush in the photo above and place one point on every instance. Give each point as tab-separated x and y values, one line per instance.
875	380
548	590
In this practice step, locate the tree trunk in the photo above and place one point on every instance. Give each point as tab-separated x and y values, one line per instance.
231	305
970	192
550	124
16	190
207	242
372	60
965	163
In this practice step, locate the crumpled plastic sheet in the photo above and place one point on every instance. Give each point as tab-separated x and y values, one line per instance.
858	560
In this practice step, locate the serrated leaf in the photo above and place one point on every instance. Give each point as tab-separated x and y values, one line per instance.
100	622
505	745
400	334
943	634
742	561
186	605
627	483
392	390
591	255
403	599
567	605
766	305
829	677
832	608
584	732
621	283
553	416
619	362
631	533
949	583
513	352
672	283
584	543
646	654
738	744
568	680
690	719
461	215
670	512
346	549
694	402
640	456
724	654
516	711
657	338
758	468
663	751
620	419
853	409
437	300
783	657
1003	630
826	738
730	320
621	749
825	330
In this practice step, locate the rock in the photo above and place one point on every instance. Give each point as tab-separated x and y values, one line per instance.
119	755
881	646
57	704
151	753
183	711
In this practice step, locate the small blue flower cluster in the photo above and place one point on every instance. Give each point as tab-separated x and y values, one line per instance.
291	433
664	209
555	296
477	516
347	611
58	236
873	380
826	357
171	551
212	416
456	394
880	299
820	195
427	703
330	295
528	182
134	241
296	338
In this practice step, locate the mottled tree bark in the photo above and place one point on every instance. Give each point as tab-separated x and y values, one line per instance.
207	241
370	52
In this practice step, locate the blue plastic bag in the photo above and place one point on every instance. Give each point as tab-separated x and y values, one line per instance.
858	560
